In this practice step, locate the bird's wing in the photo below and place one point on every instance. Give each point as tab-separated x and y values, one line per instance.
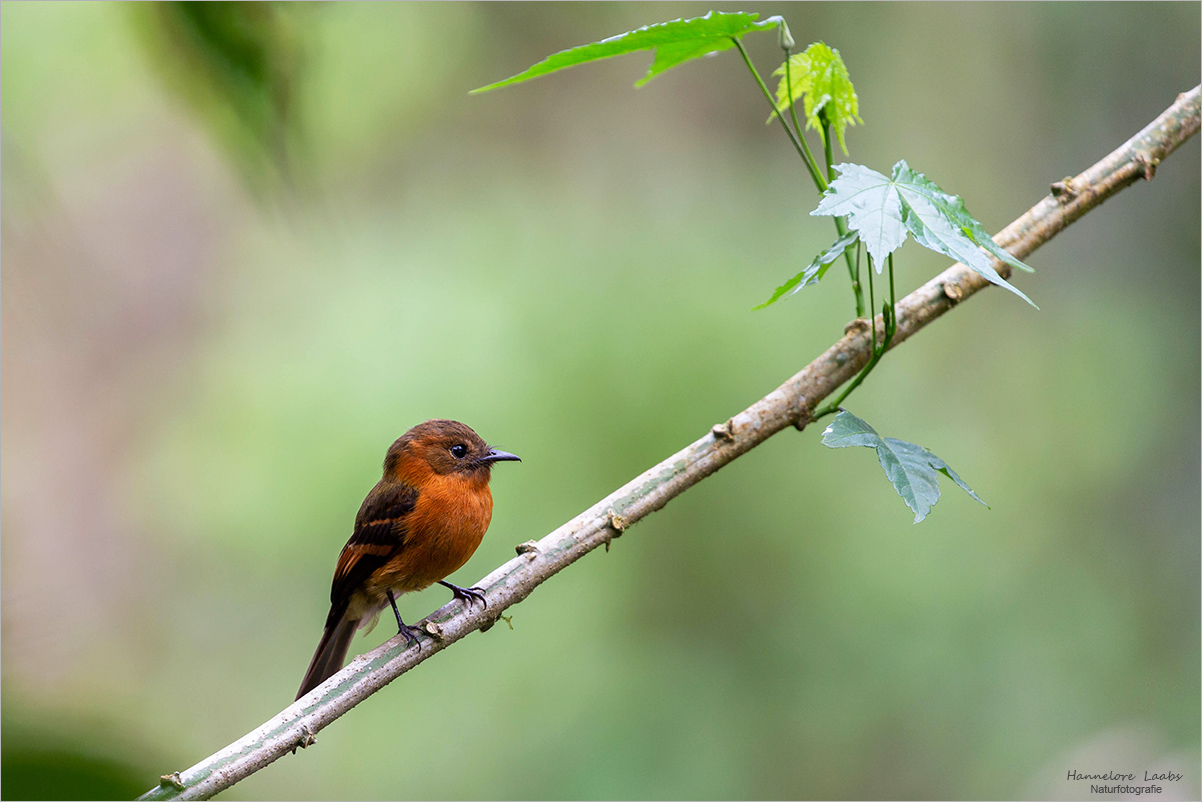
380	530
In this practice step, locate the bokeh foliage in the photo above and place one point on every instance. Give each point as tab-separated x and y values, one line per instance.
201	382
238	64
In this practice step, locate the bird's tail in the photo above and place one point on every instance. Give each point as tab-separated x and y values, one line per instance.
331	652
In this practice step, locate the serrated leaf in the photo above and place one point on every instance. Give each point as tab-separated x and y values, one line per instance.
940	221
814	272
674	43
953	207
786	96
821	76
883	210
982	238
831	92
872	207
909	467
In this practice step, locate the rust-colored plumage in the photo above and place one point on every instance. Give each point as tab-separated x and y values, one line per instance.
421	523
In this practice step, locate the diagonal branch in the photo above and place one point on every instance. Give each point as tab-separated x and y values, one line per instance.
789	405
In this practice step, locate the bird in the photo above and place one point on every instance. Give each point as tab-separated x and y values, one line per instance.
420	523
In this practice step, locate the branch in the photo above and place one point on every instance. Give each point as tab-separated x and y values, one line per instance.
789	405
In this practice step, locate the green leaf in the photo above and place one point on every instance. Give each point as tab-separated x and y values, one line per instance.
786	96
674	43
885	209
909	467
968	224
816	270
941	222
821	76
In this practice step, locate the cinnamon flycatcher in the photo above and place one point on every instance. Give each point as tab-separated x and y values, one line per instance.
419	524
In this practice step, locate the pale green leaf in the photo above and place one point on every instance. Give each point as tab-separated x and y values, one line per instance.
952	207
884	210
909	467
941	222
872	207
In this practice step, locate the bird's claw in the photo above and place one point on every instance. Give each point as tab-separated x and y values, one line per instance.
411	638
466	595
409	632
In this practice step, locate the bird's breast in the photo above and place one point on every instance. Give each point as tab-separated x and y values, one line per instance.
443	531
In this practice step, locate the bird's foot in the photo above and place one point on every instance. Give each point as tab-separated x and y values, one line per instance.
466	595
409	632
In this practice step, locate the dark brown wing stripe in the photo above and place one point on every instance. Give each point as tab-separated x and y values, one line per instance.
379	534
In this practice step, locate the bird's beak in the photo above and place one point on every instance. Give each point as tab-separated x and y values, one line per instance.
501	456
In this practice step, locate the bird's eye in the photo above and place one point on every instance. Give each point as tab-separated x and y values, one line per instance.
459	451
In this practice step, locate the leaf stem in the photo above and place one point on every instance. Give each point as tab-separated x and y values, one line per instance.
826	146
797	137
799	144
871	303
853	271
793	106
889	318
892	294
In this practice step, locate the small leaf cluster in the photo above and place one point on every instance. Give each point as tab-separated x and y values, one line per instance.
912	469
873	212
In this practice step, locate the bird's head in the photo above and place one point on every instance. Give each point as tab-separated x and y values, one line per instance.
443	447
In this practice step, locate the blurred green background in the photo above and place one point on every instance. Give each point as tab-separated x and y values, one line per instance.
245	249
